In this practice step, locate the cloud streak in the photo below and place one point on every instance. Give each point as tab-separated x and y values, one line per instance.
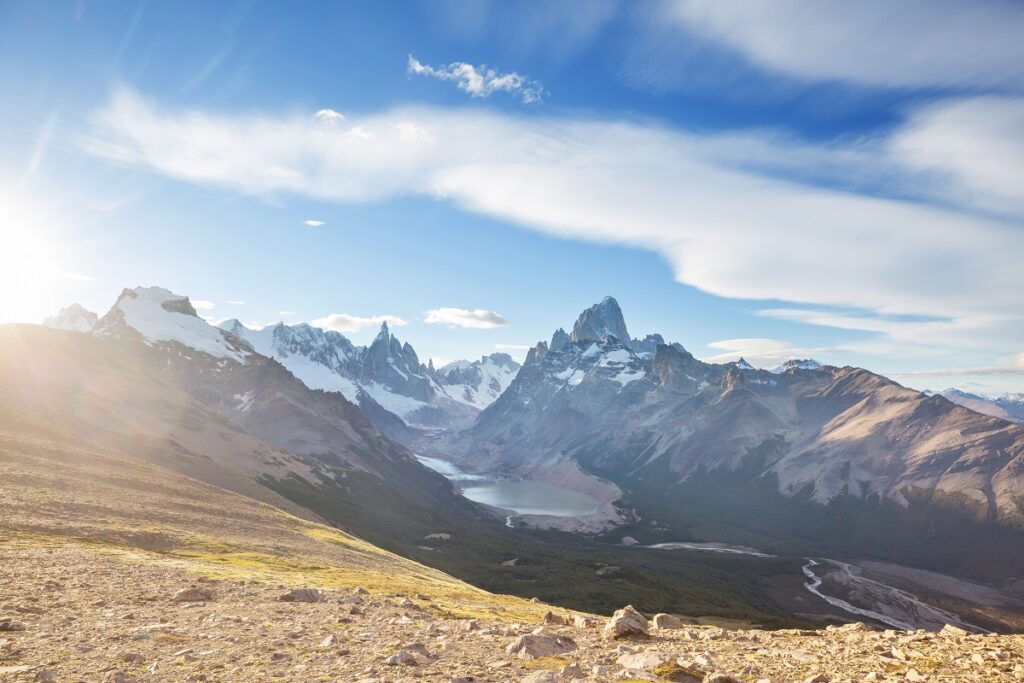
726	212
477	319
909	44
480	81
343	322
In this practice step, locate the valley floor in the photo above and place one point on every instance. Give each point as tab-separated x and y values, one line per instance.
69	611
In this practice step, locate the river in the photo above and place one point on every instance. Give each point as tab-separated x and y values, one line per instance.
879	601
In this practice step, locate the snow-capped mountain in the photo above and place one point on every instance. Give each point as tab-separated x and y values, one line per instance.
478	383
386	375
75	318
797	364
159	316
1008	406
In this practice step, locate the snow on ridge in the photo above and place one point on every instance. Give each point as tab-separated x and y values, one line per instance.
143	310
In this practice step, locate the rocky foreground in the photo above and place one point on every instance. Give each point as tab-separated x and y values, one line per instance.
72	614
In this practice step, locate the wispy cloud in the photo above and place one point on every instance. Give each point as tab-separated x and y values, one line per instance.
237	303
513	347
912	43
342	322
286	314
202	304
329	117
477	319
638	185
763	352
313	223
480	81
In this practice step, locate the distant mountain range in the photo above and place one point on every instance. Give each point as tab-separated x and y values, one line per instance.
1008	406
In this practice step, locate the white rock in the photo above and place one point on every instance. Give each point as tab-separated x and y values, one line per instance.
626	622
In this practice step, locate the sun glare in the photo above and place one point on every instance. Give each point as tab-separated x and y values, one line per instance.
31	277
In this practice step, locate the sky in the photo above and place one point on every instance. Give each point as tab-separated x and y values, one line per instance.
767	179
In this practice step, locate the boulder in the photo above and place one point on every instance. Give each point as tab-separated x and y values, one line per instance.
194	594
553	619
410	655
540	643
542	677
646	661
666	621
626	622
302	595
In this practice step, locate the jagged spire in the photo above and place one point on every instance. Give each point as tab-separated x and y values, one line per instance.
601	320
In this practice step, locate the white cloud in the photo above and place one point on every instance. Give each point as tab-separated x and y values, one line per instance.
911	43
715	207
202	304
342	322
480	81
286	314
762	352
477	319
237	303
329	117
973	147
313	223
513	347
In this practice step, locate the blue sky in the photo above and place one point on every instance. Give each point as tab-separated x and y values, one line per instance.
767	179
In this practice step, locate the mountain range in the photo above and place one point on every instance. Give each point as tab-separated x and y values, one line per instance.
803	459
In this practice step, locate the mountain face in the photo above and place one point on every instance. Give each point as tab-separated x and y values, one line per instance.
386	379
478	383
74	318
668	429
1008	406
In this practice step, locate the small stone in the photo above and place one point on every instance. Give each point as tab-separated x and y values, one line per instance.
915	675
328	641
554	619
9	625
46	676
952	631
